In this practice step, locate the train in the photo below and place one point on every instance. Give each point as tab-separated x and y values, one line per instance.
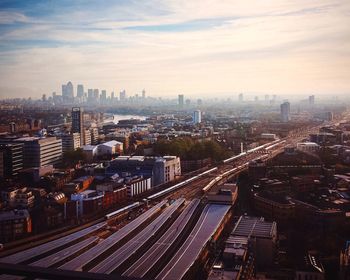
123	210
265	147
179	185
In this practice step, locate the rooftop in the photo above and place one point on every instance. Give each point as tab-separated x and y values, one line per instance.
12	215
254	227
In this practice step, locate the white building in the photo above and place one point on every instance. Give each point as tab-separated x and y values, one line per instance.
197	117
166	169
310	147
138	185
110	148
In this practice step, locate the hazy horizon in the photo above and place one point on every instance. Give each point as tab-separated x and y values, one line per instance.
175	47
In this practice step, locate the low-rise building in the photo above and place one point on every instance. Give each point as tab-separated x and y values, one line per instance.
88	202
263	236
24	198
14	224
274	207
309	147
160	169
137	185
223	194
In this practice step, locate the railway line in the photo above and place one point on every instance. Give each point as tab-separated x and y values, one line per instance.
153	255
112	253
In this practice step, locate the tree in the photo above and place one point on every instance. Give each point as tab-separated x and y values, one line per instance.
71	158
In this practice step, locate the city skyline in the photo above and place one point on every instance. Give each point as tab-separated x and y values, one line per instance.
174	47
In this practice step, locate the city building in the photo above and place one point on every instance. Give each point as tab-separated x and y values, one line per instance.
70	141
38	152
257	169
274	207
14	224
122	96
80	91
309	147
11	159
90	152
263	236
285	112
240	97
137	185
94	135
24	199
223	194
90	95
88	202
96	96
103	98
311	100
181	100
110	148
197	117
78	123
68	92
160	169
87	137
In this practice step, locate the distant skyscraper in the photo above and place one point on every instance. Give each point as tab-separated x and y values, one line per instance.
103	96
285	112
112	96
256	98
90	96
311	99
64	91
143	94
122	95
78	123
181	99
80	91
197	117
267	97
240	97
68	92
96	95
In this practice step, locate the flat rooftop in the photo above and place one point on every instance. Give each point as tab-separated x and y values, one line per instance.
254	227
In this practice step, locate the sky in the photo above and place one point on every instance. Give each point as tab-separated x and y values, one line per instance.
206	48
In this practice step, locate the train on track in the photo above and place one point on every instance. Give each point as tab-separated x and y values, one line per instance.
123	210
265	148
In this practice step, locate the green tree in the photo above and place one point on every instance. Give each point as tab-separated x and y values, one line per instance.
71	158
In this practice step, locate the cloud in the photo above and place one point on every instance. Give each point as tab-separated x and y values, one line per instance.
8	17
179	46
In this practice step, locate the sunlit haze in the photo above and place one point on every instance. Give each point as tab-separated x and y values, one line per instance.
198	48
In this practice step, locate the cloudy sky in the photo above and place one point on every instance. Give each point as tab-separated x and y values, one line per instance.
195	47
